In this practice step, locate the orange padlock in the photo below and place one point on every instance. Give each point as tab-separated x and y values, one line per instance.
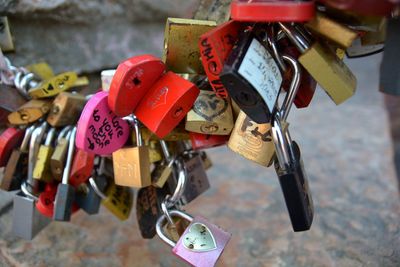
81	168
132	79
166	103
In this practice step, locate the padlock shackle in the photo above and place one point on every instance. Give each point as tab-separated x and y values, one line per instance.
163	218
25	142
180	186
64	133
70	155
271	38
50	136
96	189
27	193
282	146
297	39
294	87
165	150
136	126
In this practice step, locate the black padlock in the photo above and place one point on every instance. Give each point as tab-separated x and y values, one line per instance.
293	178
252	78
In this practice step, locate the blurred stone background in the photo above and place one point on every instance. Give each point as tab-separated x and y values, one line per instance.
348	152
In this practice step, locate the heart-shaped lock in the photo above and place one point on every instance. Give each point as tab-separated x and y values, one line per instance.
199	238
99	130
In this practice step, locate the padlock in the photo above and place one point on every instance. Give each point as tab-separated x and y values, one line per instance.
57	159
177	134
99	130
10	100
357	50
82	167
210	115
6	40
29	112
106	78
45	203
181	51
215	47
54	86
9	140
252	78
66	109
63	203
365	7
89	201
200	245
272	10
41	170
41	70
17	166
166	103
389	81
204	141
331	30
131	81
155	153
132	164
163	171
326	68
292	178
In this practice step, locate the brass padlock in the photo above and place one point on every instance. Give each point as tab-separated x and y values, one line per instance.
177	134
29	112
181	50
41	170
66	109
58	157
163	171
210	115
132	164
54	86
155	153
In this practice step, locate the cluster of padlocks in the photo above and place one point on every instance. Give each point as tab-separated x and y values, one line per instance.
229	84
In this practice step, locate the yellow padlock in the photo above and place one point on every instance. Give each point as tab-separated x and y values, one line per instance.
54	86
41	170
57	160
118	200
42	70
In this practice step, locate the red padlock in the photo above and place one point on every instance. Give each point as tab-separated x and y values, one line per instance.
167	103
9	139
45	204
363	7
204	141
215	47
132	79
82	167
272	10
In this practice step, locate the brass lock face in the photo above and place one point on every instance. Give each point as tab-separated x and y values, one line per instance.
210	115
118	201
66	109
181	50
29	112
54	86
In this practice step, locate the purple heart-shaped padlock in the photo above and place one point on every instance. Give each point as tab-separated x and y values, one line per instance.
99	130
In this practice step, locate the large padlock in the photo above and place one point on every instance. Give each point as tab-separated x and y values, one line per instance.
293	178
272	10
166	103
9	140
99	130
59	154
181	51
210	115
252	78
82	167
131	81
132	164
204	141
29	112
201	244
42	166
66	109
54	86
327	69
215	47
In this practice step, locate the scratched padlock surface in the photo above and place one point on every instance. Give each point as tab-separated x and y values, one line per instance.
347	154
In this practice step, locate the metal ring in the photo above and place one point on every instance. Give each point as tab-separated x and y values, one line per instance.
180	187
166	213
96	189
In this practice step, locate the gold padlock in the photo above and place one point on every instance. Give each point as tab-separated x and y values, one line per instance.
181	50
132	164
57	160
66	109
54	86
29	112
41	170
210	115
163	170
41	70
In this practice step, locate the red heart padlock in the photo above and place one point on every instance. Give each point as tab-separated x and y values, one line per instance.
132	79
9	139
45	204
99	130
82	167
272	10
166	104
215	47
204	141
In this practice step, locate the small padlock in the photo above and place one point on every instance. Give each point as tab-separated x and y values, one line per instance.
152	145
215	47
41	170
82	167
132	164
252	78
29	112
99	130
66	109
57	159
9	140
200	245
45	203
163	171
166	103
204	141
181	51
41	70
54	86
131	81
89	201
210	115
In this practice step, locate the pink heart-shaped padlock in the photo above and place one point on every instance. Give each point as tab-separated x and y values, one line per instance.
99	130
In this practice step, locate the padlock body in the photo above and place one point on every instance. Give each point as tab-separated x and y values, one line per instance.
294	184
81	168
119	201
57	160
54	86
161	174
166	104
132	79
197	180
9	139
214	240
90	202
63	203
66	109
29	112
41	171
204	141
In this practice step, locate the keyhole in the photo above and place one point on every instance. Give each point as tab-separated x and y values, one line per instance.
136	81
178	112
